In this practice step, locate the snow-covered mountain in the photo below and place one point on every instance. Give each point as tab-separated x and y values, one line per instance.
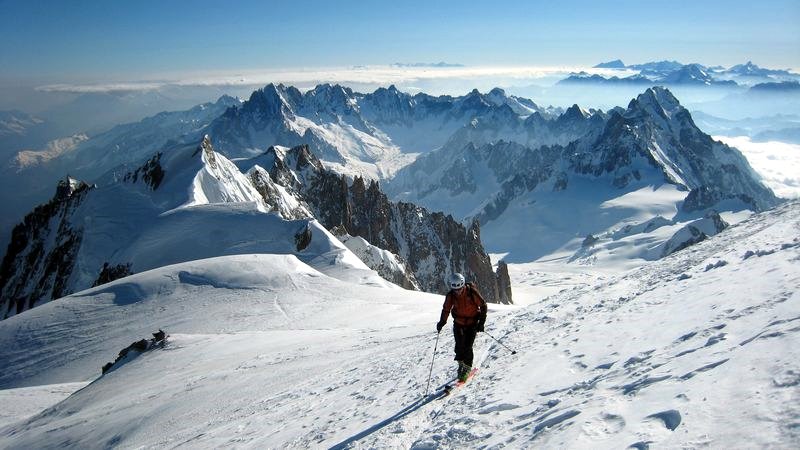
752	71
673	73
693	74
265	351
497	164
370	135
664	66
181	205
20	130
650	153
586	78
615	64
127	223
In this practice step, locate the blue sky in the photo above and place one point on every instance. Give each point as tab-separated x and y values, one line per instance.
96	41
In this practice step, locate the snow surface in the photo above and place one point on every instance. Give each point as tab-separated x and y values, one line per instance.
699	349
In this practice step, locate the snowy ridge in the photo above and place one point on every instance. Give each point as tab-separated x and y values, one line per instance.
207	188
188	203
651	358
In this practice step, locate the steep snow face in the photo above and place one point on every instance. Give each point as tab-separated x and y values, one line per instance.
219	181
264	351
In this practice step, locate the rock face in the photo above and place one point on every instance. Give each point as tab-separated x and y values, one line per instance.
503	282
388	265
431	244
37	263
695	232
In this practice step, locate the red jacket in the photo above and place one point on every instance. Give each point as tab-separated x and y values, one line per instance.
467	306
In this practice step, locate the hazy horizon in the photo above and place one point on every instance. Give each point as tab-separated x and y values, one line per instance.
96	42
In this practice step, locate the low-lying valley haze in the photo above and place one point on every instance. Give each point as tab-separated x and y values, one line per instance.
248	224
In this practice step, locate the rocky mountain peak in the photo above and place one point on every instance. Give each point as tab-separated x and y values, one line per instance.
473	101
41	249
67	187
535	119
305	159
269	101
227	100
207	151
328	96
498	91
572	115
655	102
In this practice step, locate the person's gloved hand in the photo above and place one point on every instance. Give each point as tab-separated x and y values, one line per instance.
439	326
479	326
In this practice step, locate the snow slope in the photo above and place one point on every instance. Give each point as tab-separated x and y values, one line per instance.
696	349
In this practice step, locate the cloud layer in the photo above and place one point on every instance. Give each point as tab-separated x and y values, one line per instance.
436	80
778	163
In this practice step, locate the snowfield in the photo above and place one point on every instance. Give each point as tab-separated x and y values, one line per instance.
699	349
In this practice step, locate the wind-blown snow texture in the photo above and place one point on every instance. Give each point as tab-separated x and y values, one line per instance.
697	349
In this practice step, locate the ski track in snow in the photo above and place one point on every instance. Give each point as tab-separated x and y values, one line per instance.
699	349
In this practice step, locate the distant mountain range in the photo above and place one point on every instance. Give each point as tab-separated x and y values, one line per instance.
673	73
516	176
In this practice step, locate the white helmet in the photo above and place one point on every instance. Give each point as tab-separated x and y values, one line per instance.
456	281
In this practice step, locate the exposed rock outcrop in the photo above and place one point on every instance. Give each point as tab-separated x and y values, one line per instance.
431	244
42	246
110	273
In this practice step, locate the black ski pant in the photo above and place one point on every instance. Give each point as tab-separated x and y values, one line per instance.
465	337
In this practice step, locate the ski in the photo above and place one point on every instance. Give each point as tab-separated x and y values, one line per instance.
448	389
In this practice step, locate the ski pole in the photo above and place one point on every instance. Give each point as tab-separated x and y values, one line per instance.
513	352
434	357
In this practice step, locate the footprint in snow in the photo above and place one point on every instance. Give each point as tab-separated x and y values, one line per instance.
603	426
705	368
670	418
606	366
498	408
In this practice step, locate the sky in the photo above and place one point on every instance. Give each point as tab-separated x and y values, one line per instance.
50	42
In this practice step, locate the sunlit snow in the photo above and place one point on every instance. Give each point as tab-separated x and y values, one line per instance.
265	351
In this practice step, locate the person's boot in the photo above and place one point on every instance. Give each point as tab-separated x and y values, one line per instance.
463	371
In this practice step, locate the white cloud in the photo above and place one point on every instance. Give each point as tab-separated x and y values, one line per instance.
108	87
419	77
778	163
